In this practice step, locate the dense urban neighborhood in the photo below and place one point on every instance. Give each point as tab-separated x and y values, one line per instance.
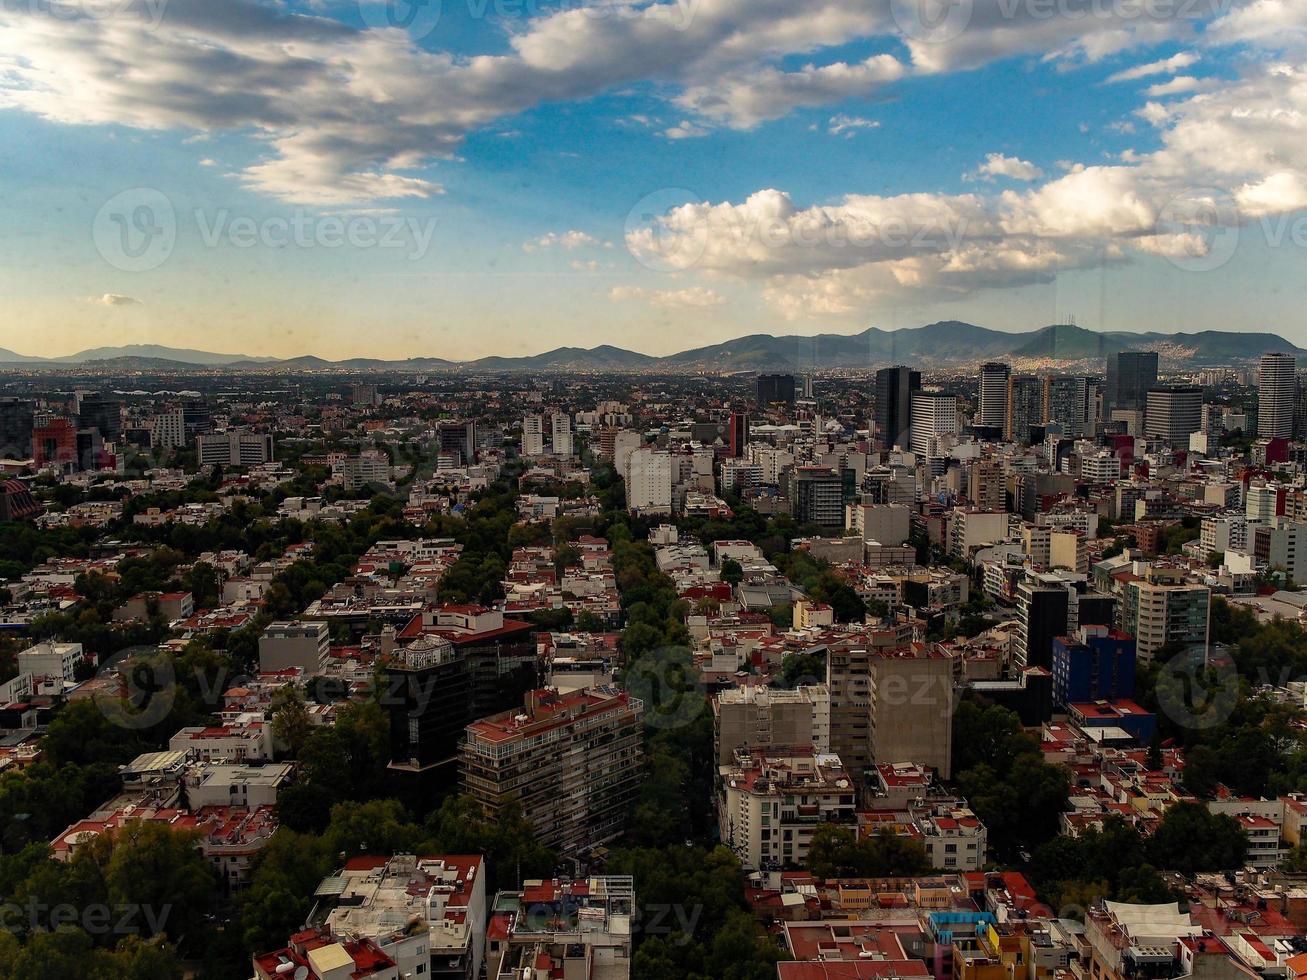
991	673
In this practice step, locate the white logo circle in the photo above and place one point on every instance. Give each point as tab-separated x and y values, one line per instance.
1204	224
405	21
661	244
932	21
136	230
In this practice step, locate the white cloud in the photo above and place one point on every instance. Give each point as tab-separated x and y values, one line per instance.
567	240
1167	66
114	299
848	126
1014	168
1180	85
684	130
693	297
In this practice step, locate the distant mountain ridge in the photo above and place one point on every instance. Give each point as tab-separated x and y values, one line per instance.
949	342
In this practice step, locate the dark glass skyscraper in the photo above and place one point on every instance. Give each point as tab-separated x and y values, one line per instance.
775	388
894	388
16	423
1130	374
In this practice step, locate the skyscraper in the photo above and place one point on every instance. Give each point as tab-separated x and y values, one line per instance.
17	419
893	413
992	409
1025	407
934	413
1276	389
775	388
1130	373
1174	413
738	437
103	413
1067	404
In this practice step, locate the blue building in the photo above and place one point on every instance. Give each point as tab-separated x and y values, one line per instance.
1096	665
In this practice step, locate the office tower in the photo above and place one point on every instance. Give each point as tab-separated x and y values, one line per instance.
573	762
17	420
533	436
1025	407
458	438
992	408
104	414
234	447
1276	391
775	388
738	437
560	433
649	481
197	418
1042	615
1174	413
428	687
54	443
1066	404
1299	410
932	413
893	410
1161	608
1130	374
817	496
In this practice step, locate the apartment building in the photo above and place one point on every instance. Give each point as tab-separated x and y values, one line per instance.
771	803
562	928
848	679
573	761
287	645
1161	608
910	696
769	718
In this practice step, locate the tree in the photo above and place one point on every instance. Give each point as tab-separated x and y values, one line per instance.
291	725
731	571
1190	839
154	867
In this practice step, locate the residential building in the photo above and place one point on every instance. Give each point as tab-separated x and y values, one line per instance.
533	436
1097	664
1025	408
772	802
910	694
567	929
771	718
649	481
572	761
817	496
1161	608
560	433
288	645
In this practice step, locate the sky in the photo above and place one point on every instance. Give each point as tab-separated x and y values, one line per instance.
457	178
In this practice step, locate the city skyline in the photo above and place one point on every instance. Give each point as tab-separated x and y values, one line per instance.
502	178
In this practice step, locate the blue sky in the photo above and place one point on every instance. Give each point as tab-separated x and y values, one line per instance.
653	175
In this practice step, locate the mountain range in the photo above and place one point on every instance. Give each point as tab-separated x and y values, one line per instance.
949	342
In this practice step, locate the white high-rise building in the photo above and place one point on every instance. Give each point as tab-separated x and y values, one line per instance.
560	424
169	430
1276	388
533	436
992	410
649	481
934	413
